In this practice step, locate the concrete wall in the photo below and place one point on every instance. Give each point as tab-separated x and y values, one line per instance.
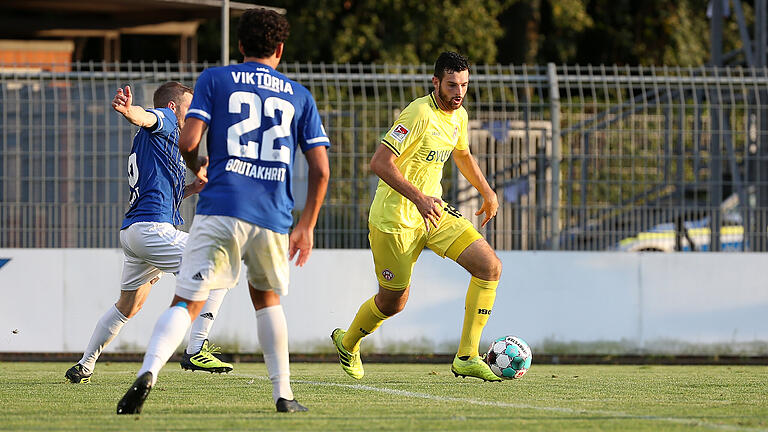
52	298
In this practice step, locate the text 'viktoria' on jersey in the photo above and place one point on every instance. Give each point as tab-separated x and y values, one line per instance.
156	172
256	117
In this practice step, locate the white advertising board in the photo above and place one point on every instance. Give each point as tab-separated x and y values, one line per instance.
52	298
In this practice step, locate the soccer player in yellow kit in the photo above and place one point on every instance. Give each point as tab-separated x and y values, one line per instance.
408	214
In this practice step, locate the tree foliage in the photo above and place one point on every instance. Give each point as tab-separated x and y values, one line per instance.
393	31
649	32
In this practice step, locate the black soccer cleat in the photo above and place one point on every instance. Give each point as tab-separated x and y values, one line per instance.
285	405
76	375
134	398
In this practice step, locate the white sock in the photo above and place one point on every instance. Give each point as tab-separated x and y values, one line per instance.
273	337
202	325
107	328
166	337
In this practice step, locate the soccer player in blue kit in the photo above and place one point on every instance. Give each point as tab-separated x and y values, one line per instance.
150	241
256	119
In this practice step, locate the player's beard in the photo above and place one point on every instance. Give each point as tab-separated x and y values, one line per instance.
447	100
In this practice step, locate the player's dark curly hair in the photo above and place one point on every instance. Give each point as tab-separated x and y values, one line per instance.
449	62
261	30
170	91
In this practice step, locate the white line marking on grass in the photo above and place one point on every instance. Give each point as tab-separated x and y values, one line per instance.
679	420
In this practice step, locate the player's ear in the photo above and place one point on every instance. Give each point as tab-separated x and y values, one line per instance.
171	105
279	50
240	48
436	82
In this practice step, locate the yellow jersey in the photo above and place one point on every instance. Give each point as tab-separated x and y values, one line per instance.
422	139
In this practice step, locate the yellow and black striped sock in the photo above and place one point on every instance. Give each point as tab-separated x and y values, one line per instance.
367	320
477	309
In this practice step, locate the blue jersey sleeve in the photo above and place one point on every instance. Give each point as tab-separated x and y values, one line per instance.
312	133
166	121
202	100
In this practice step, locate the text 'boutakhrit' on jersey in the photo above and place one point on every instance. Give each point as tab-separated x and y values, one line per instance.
262	80
255	171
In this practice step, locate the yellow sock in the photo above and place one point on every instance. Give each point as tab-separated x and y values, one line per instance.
477	310
368	319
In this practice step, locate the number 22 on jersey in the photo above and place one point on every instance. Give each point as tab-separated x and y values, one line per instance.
257	110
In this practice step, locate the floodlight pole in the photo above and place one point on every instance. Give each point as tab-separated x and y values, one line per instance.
224	32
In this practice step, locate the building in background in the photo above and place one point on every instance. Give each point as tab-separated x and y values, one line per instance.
46	32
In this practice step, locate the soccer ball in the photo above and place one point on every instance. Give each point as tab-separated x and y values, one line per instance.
509	357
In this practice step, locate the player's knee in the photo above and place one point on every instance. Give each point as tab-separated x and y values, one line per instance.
390	302
391	307
493	269
263	298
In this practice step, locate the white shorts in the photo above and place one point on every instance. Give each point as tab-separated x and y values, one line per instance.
150	248
219	244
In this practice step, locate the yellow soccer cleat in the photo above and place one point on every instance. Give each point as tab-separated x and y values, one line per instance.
350	362
205	360
473	367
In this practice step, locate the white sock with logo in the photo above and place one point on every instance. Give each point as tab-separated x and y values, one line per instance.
107	328
168	334
201	326
272	330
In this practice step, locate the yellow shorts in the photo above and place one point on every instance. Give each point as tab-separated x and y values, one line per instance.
394	254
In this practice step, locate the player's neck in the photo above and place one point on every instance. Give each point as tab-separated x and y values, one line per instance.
269	61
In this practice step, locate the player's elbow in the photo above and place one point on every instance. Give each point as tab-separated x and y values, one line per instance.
377	165
320	172
185	145
190	136
319	167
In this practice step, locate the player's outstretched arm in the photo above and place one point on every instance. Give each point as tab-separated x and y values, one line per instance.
189	145
301	239
123	103
383	165
471	171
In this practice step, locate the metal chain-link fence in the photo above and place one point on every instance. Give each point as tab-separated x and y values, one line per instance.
582	158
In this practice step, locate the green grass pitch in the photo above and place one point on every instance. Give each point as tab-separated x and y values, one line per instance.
396	397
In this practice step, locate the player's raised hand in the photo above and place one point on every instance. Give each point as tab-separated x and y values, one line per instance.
123	100
300	241
431	208
489	207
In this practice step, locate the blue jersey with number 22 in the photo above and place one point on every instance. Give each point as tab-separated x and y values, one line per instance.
257	118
